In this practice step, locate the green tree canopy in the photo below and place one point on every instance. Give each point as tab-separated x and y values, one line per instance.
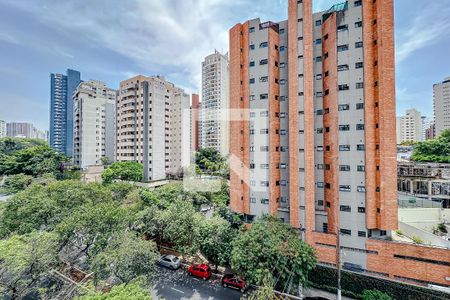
375	295
435	150
123	170
272	249
120	292
126	257
214	239
25	260
17	182
210	161
9	145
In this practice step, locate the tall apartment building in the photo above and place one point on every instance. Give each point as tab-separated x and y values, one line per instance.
94	123
21	129
195	121
215	102
441	105
410	127
153	124
312	104
2	128
61	110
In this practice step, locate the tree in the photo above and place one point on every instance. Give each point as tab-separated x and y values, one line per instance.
210	161
126	257
265	292
105	160
151	223
120	292
272	249
34	161
435	150
375	295
16	183
214	238
123	170
43	207
25	260
87	230
9	145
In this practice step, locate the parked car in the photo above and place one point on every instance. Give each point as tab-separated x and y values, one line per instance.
232	281
202	271
170	261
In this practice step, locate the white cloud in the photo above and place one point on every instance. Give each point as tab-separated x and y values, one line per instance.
425	29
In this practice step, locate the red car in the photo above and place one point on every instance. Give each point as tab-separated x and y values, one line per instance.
232	281
202	271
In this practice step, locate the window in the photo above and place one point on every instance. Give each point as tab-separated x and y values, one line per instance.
344	127
359	126
320	184
264	166
342	48
358	44
252	80
320	148
252	166
281	31
252	182
263	45
344	168
252	149
361	209
342	68
360	85
283	81
358	3
263	62
319	94
318	22
252	114
263	79
346	231
345	188
264	96
360	147
283	132
319	130
318	76
264	183
358	24
264	148
344	87
361	168
264	201
342	27
283	149
361	233
264	113
282	65
251	29
319	112
342	107
252	64
346	208
361	189
359	105
359	65
318	58
253	199
344	147
282	48
283	166
264	131
252	46
318	41
252	131
283	182
319	166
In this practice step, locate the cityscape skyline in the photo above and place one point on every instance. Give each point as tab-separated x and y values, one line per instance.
414	39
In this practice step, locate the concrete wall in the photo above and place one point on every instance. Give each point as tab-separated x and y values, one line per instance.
427	237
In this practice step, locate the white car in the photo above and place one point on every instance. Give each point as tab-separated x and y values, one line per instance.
170	261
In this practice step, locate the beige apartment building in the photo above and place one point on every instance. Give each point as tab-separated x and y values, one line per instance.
312	100
410	127
441	105
94	123
153	126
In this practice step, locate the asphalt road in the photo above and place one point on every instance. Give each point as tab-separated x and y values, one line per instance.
174	285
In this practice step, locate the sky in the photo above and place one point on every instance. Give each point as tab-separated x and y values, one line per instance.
112	40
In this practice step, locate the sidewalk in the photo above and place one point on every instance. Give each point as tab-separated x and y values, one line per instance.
312	292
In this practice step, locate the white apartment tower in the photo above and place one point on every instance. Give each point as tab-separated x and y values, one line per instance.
410	127
441	96
94	125
215	102
2	128
153	126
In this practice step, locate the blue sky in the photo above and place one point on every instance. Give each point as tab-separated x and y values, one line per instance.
111	40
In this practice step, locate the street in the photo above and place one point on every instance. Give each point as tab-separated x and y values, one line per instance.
179	285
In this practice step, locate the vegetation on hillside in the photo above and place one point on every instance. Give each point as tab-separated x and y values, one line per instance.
123	170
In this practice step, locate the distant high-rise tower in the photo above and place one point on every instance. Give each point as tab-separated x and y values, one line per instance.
410	127
2	128
194	123
215	102
441	96
61	110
